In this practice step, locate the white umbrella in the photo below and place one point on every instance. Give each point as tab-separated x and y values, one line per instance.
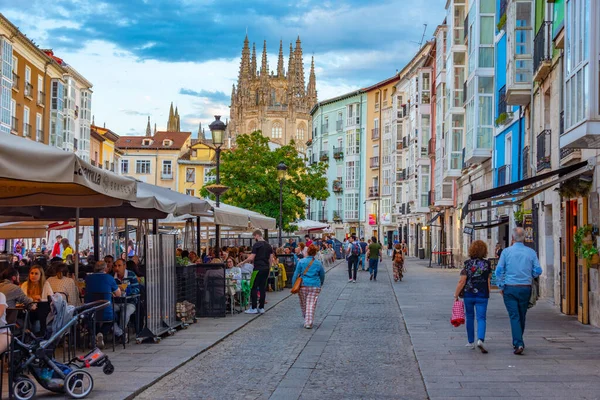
307	225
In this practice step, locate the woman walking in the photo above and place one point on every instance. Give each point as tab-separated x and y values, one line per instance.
398	262
313	276
475	280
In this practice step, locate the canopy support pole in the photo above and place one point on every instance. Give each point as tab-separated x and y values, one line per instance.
155	227
76	255
96	239
198	237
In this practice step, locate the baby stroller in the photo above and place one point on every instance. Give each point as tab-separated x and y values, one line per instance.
36	356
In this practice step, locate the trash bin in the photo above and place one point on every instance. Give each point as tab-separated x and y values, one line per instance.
422	253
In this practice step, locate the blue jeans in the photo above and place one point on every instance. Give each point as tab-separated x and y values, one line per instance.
363	262
373	264
516	300
476	306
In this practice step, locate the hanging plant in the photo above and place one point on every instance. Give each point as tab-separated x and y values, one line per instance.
501	119
575	188
519	215
501	23
584	245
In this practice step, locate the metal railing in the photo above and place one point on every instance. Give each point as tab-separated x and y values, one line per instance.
27	130
566	151
375	134
543	150
526	162
325	128
502	100
339	125
324	155
374	162
15	81
337	185
373	191
542	45
40	135
14	126
337	215
28	89
41	99
338	153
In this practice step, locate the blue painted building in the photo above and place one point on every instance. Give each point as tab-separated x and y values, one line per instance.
339	138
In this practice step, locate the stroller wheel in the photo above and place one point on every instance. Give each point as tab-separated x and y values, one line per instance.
24	388
79	383
108	368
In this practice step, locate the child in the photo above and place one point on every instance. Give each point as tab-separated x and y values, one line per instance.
398	262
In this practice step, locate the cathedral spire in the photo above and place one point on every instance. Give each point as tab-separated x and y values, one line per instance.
245	63
290	74
200	133
171	121
299	68
148	128
155	128
264	68
253	61
280	71
311	90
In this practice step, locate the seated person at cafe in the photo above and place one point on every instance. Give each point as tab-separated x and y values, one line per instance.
109	260
61	283
102	286
9	285
124	276
37	287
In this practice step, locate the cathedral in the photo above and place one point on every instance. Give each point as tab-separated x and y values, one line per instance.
276	103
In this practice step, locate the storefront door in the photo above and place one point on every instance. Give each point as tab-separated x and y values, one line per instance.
568	259
582	270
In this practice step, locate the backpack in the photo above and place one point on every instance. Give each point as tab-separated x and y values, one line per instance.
355	249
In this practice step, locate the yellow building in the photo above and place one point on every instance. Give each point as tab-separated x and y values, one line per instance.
194	167
153	159
104	153
379	170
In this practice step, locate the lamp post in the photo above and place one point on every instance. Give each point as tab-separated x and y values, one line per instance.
217	129
281	174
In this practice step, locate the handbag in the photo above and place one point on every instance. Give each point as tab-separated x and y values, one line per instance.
458	314
298	282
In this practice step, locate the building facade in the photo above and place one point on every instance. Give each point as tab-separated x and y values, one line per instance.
276	103
195	166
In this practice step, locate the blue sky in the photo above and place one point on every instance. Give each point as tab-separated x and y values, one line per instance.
142	54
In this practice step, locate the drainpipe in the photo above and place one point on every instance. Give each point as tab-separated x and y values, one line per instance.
44	113
520	143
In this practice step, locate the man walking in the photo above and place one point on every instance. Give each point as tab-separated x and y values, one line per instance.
262	253
517	267
363	254
352	254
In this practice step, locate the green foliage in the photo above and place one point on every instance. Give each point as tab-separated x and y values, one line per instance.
519	215
250	171
575	188
501	23
584	248
501	119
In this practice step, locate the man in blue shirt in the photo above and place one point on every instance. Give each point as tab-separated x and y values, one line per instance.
517	267
101	286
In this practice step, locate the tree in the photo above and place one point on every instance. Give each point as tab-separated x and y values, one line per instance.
250	171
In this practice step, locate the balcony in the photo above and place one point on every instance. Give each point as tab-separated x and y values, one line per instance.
352	121
14	126
325	128
337	186
39	136
542	52
27	130
41	99
338	153
569	156
374	162
375	134
28	92
373	191
431	148
324	156
337	216
503	175
405	141
543	150
502	107
526	162
15	81
166	176
339	125
399	145
519	43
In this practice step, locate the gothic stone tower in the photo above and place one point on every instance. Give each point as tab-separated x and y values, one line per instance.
276	103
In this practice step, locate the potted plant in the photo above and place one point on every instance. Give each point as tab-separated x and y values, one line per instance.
584	246
519	215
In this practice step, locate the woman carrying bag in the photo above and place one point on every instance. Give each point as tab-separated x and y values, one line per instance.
474	286
308	279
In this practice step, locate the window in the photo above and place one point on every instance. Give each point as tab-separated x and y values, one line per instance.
167	143
142	167
39	133
27	75
386	187
40	89
577	44
146	142
353	142
26	125
190	175
300	132
277	130
167	169
353	113
208	175
386	206
124	165
189	192
485	127
351	211
351	178
426	88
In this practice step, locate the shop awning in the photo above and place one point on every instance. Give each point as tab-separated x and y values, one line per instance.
477	226
436	216
518	192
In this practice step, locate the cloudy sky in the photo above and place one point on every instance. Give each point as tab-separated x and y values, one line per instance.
142	54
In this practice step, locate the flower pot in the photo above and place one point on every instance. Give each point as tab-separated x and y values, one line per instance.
595	261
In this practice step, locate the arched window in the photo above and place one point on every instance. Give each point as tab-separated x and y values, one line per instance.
300	132
277	130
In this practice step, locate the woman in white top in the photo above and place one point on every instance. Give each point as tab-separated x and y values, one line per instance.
37	287
61	283
4	333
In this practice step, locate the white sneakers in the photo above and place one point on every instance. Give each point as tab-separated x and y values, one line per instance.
480	346
255	311
350	280
469	345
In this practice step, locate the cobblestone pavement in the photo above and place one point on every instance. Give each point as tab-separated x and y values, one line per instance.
561	361
358	349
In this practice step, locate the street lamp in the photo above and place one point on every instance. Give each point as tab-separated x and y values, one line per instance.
217	129
281	174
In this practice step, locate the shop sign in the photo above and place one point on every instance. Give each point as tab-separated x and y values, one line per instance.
386	218
372	219
528	227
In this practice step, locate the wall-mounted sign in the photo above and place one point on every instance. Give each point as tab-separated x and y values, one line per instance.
372	219
468	230
386	218
528	227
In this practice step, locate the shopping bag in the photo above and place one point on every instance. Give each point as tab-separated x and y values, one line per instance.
458	314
